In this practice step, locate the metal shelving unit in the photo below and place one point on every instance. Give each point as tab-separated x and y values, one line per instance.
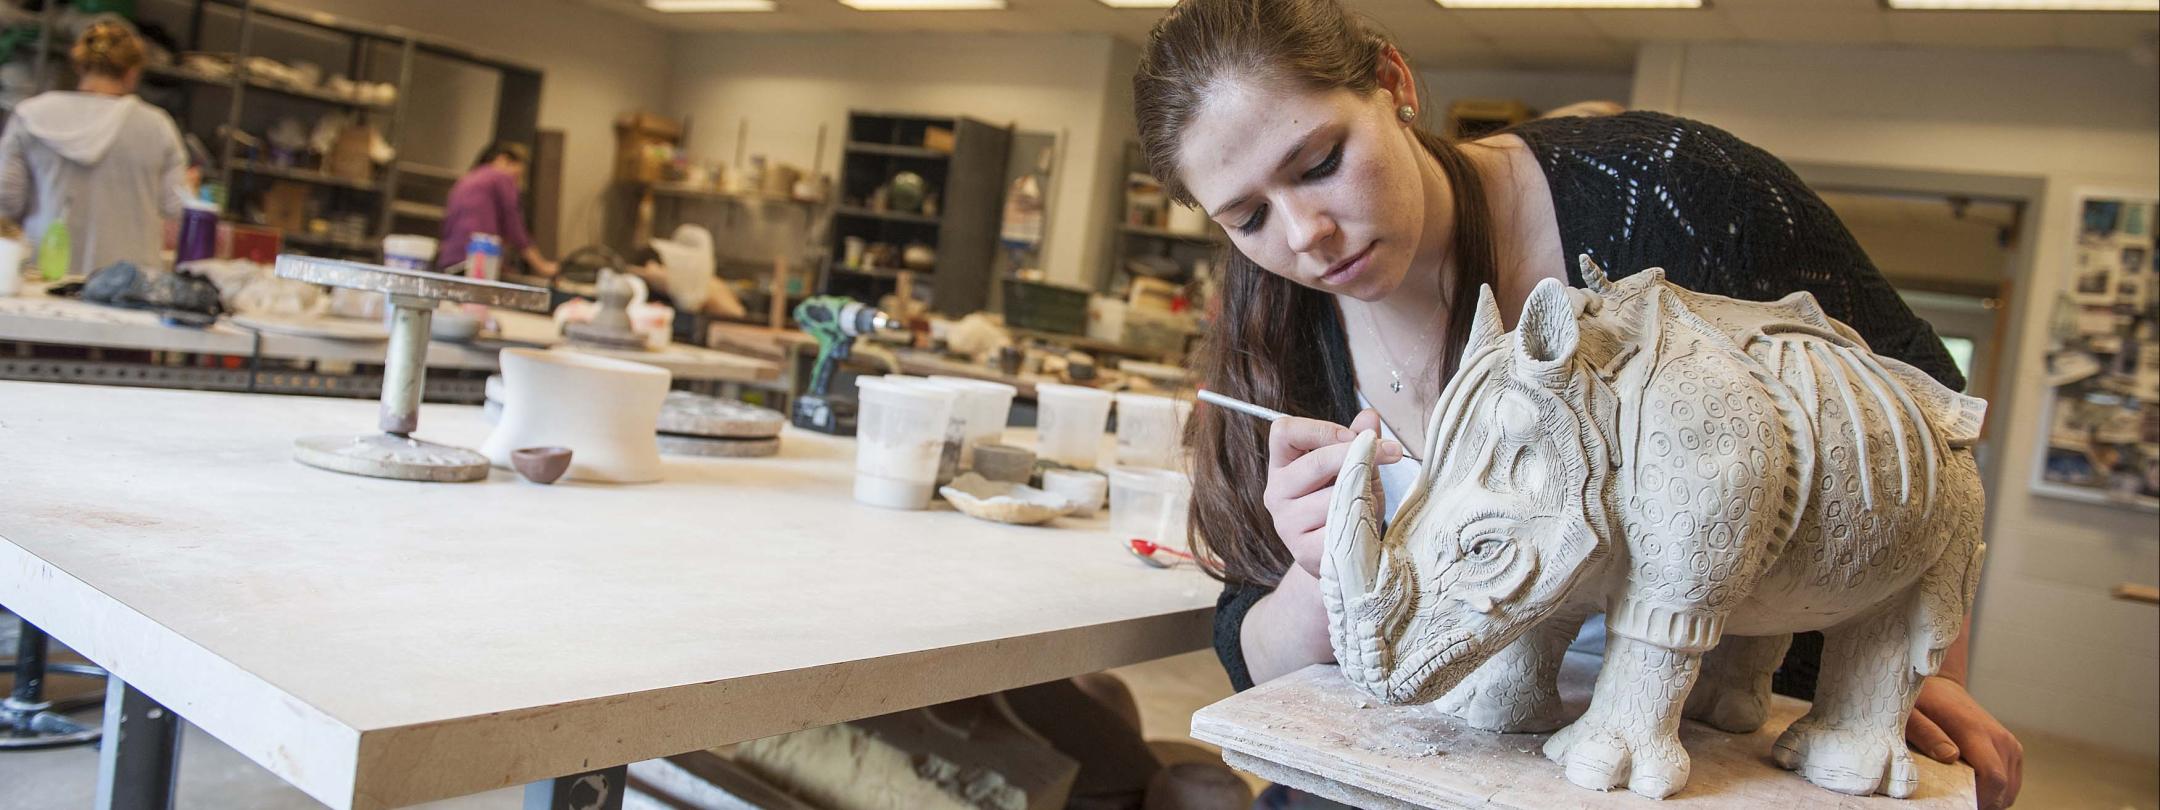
372	52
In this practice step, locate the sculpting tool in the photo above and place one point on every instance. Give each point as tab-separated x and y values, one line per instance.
1241	406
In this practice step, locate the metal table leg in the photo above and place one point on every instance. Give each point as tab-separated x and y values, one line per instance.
139	761
27	719
594	790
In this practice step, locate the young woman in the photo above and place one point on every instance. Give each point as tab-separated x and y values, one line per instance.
1359	241
485	200
105	161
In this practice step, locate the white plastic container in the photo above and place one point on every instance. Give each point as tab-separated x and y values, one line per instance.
11	265
1147	432
985	407
950	454
409	251
1070	423
899	435
1086	488
1149	504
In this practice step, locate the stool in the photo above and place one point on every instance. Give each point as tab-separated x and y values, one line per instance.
29	721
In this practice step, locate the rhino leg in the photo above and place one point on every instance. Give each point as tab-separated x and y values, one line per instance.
1853	739
1733	693
1518	691
1631	733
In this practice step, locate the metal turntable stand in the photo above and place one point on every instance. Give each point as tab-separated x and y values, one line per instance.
413	294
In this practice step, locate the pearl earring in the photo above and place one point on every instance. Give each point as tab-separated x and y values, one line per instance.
1406	112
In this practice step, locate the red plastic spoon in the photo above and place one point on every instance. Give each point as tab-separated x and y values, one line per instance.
1147	550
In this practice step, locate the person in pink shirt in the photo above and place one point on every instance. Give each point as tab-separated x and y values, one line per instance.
485	200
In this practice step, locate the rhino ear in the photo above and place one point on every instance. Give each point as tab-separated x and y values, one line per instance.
1485	327
1547	336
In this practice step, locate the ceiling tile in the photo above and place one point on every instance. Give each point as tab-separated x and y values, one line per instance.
1556	53
1706	25
1971	29
1791	24
1501	26
2105	30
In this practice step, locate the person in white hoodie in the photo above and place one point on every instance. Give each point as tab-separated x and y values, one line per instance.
106	161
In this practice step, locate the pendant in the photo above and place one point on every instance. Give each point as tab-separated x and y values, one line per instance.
1397	384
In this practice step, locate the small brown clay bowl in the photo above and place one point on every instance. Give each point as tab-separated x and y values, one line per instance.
541	465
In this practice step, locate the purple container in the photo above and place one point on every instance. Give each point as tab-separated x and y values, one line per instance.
198	232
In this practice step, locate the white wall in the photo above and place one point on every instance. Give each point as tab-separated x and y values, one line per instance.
597	64
789	85
1541	89
2052	652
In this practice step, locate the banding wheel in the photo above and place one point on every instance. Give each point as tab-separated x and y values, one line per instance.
412	295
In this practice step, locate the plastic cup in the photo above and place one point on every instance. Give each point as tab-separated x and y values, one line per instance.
1147	431
1149	504
952	453
1070	424
987	406
408	251
899	436
11	266
1086	488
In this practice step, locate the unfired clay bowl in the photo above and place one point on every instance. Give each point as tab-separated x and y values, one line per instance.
540	465
1002	501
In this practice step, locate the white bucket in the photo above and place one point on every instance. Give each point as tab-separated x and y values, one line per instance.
409	251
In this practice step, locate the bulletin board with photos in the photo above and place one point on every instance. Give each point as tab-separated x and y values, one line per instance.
2103	424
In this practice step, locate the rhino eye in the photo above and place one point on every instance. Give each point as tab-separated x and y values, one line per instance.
1484	549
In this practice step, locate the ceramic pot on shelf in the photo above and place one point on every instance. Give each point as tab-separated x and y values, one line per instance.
606	411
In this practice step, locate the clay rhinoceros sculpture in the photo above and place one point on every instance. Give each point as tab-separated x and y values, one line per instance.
1712	474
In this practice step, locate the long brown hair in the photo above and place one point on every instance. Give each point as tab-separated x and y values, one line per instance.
1272	341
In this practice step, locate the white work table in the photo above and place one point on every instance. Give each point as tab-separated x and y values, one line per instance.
36	317
381	643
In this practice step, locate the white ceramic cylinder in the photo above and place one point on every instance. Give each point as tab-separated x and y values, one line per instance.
1147	431
900	429
1069	424
1086	488
1149	504
606	411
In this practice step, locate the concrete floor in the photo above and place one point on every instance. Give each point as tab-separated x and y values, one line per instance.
2058	773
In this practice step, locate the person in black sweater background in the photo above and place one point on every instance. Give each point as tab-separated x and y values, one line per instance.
1358	242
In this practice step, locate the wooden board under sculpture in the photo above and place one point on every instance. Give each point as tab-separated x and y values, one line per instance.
1382	757
1711	474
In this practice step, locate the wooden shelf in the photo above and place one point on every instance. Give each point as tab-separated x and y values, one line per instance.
882	272
303	176
1211	237
309	93
417	210
889	216
326	241
424	170
695	193
895	150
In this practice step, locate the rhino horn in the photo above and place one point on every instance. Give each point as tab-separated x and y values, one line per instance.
1485	327
1547	335
1349	568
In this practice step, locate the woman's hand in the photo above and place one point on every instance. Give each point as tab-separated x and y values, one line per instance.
1304	456
1947	724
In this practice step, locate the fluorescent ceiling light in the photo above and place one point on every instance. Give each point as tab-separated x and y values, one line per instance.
698	6
2024	5
1139	3
925	5
1577	5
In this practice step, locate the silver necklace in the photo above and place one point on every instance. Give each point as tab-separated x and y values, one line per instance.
1387	353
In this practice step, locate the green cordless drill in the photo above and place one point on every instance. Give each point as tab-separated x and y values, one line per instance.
836	321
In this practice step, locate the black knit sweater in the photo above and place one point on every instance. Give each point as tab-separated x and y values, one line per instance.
1642	190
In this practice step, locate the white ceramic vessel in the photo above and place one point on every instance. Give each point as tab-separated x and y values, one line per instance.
605	410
